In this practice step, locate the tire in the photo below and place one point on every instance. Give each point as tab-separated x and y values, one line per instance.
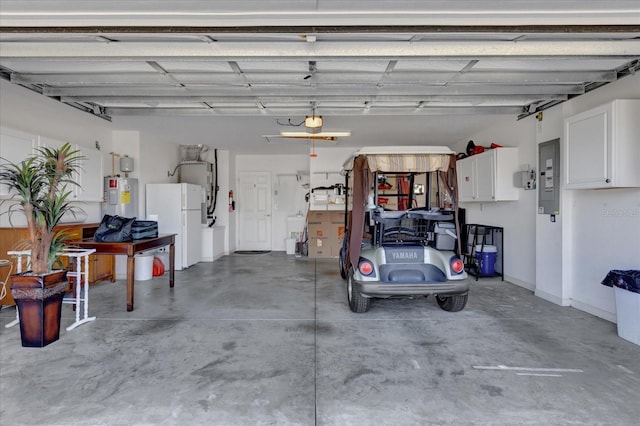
357	302
453	303
343	257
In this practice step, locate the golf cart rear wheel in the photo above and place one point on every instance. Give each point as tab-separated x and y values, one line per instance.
342	260
357	302
453	303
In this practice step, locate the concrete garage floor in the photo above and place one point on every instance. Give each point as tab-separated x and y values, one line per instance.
269	339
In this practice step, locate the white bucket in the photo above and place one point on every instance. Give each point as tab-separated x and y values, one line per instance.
290	245
144	267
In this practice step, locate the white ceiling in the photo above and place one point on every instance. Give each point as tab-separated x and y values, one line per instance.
227	72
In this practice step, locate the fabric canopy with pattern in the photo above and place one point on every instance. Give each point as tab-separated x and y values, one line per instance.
403	159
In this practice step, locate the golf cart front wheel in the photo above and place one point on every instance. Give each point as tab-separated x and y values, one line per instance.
357	302
453	303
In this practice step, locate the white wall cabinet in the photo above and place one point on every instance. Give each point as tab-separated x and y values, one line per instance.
488	176
90	178
15	146
601	146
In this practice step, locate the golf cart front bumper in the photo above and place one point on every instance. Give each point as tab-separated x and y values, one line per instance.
388	289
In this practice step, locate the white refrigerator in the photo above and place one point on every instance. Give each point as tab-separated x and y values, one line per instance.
179	209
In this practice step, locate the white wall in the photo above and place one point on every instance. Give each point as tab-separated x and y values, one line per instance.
596	230
24	110
604	230
549	239
516	217
287	193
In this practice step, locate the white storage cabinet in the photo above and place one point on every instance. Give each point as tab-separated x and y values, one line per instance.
15	146
601	146
90	176
488	176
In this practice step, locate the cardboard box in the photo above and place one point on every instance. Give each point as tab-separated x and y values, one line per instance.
320	248
337	226
324	248
326	232
326	224
319	224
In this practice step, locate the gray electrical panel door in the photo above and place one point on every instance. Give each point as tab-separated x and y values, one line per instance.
549	182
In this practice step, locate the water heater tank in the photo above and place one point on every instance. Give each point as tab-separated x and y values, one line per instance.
126	164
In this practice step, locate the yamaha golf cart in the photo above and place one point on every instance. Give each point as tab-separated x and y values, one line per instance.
401	236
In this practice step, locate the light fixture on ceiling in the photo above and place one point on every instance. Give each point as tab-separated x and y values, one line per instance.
319	135
313	129
313	122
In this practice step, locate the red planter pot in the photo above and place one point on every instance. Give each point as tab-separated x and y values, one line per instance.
39	300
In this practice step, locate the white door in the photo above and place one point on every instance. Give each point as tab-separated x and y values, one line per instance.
254	211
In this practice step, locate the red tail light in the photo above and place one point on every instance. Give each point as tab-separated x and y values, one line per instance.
365	267
456	265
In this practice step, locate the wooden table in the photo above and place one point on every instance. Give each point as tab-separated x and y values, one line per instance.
131	248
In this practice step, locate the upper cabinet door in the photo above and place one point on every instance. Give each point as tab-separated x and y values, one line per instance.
15	146
588	151
90	178
45	142
466	170
601	146
488	176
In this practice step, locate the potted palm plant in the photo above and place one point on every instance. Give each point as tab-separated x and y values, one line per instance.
40	188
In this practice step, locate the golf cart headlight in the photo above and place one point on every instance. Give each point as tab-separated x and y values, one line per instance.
457	266
365	267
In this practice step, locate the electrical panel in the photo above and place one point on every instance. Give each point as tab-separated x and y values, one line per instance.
549	182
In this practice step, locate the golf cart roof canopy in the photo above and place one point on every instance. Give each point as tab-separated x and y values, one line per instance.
419	159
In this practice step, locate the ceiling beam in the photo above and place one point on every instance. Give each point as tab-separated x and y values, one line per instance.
478	28
479	110
344	90
238	51
334	77
266	100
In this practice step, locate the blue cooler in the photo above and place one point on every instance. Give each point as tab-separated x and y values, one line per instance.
486	257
